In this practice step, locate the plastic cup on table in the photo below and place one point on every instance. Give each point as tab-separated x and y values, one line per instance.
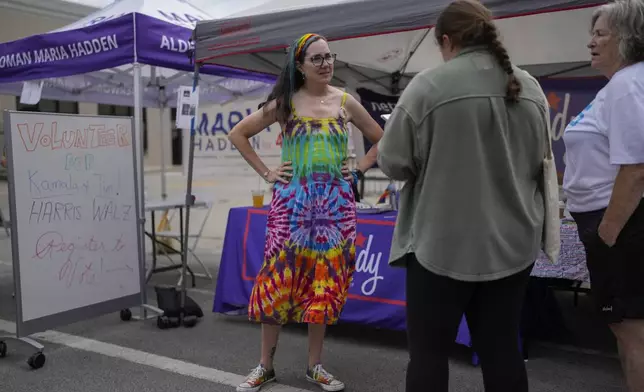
258	198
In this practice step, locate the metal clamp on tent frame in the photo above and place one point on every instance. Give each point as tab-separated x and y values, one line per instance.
395	82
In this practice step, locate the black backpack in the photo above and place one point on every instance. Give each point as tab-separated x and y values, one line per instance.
169	300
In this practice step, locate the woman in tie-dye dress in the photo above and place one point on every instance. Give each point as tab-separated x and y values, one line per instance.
309	255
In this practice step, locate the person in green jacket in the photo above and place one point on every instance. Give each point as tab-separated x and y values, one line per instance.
468	138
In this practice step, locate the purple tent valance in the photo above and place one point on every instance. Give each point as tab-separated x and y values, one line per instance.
66	53
108	44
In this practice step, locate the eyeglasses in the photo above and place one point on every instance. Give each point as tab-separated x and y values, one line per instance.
319	59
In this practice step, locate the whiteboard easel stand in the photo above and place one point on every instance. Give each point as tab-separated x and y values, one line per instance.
28	327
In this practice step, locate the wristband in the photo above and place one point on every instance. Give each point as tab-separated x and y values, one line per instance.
265	176
357	175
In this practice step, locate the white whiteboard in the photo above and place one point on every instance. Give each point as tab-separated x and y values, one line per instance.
73	213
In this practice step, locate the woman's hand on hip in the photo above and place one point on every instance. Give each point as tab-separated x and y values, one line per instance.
346	172
282	174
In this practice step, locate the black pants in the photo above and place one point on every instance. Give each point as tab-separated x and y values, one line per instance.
616	272
435	306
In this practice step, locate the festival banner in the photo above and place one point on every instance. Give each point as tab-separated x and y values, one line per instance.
213	151
93	48
106	39
377	105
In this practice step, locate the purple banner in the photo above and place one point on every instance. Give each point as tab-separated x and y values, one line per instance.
567	98
377	105
168	45
376	297
106	45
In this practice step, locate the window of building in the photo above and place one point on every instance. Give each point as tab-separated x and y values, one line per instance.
50	106
126	111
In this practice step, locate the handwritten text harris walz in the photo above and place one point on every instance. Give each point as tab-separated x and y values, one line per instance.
46	192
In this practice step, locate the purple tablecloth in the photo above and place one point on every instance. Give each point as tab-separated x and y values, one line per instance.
572	258
377	295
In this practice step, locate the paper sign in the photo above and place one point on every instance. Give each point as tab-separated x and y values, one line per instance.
31	92
187	102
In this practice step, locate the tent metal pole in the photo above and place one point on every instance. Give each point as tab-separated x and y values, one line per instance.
138	135
162	134
156	82
190	199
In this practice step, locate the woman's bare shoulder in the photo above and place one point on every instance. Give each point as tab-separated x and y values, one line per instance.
336	91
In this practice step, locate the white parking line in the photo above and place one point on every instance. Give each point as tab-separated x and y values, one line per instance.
143	358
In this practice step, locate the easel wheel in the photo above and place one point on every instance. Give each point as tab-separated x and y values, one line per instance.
36	361
126	315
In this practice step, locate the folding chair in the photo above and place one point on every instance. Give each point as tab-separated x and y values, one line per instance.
196	236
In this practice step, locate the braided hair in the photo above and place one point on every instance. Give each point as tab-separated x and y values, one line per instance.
469	23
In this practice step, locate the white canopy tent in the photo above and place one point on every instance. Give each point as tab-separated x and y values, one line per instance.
381	44
150	61
115	85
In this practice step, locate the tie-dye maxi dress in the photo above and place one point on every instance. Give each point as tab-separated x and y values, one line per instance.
309	257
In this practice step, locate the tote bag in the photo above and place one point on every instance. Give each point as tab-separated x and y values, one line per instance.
552	222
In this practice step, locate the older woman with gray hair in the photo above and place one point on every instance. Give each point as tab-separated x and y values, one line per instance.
604	179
